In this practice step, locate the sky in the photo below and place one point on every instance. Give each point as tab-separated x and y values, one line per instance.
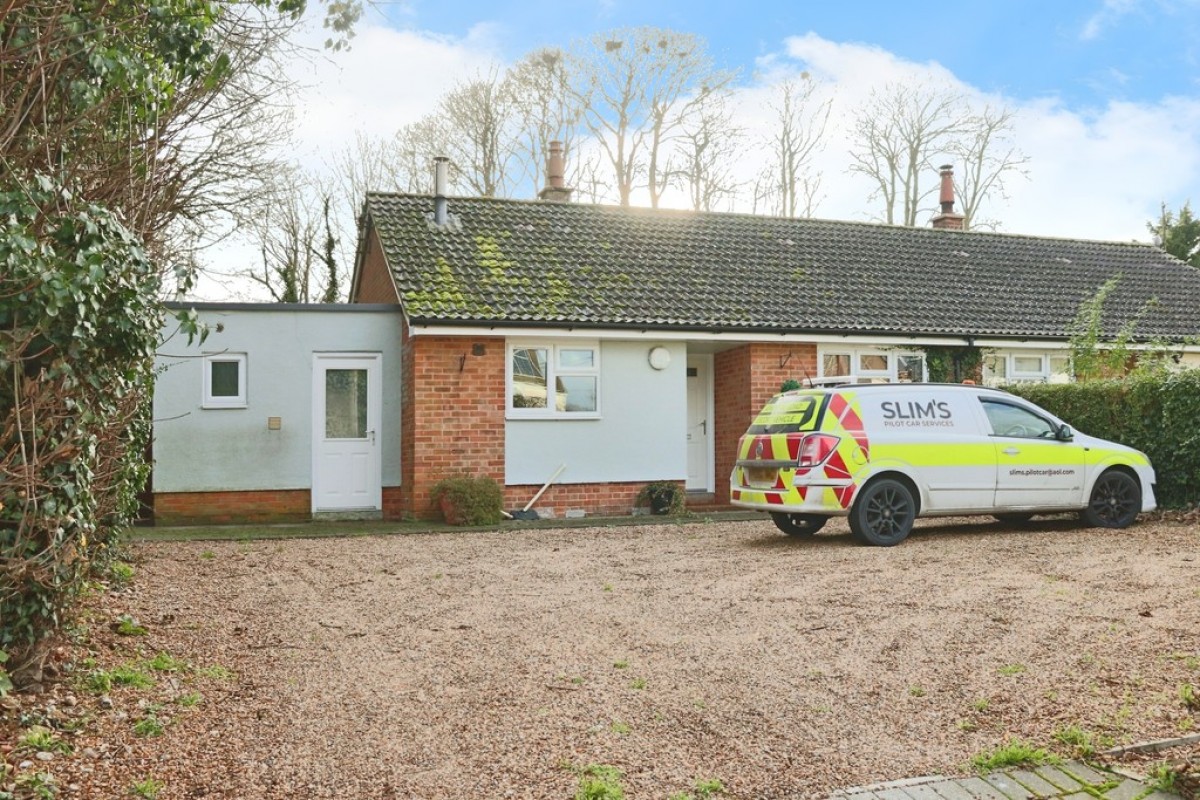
1106	92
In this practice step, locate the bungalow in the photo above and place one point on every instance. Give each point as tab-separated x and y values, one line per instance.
608	347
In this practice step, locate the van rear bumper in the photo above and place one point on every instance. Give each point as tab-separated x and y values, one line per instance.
816	501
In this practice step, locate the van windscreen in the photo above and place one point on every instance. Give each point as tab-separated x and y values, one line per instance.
790	413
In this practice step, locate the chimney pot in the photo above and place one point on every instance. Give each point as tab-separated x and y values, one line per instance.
441	168
947	219
556	189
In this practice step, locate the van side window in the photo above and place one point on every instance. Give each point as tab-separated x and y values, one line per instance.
1010	420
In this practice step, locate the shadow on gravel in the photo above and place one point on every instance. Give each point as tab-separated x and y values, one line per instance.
930	530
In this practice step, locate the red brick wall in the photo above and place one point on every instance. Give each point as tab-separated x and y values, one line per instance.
375	283
393	503
745	378
258	506
220	508
452	412
608	499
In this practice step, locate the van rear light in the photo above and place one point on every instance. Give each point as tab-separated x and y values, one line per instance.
815	448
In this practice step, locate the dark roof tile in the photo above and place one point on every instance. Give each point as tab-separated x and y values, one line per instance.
512	261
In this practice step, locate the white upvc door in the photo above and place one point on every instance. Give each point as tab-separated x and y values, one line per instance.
346	441
699	424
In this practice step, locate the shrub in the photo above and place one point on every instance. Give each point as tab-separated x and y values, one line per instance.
1158	414
663	497
81	321
469	501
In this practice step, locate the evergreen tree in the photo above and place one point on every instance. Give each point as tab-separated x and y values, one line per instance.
1178	234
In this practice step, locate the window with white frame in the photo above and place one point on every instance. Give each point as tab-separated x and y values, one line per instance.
871	365
224	380
1026	366
553	381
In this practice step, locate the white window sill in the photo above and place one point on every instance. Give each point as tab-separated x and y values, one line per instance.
544	416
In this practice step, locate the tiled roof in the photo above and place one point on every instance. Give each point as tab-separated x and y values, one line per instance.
527	263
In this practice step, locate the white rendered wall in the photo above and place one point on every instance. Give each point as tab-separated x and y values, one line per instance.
198	449
641	435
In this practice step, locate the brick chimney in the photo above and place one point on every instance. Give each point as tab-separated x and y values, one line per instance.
946	218
555	190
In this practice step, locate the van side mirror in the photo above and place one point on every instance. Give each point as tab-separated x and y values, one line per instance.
1065	434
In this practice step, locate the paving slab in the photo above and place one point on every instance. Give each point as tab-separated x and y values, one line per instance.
1008	786
1082	772
892	793
1063	780
924	791
950	790
1036	784
1126	790
981	789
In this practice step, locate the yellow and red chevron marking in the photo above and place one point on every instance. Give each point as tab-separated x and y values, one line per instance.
845	413
835	467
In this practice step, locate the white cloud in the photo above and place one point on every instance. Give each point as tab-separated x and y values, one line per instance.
1093	174
1110	12
387	79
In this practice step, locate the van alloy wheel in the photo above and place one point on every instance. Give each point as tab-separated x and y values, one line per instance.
798	524
1115	502
883	513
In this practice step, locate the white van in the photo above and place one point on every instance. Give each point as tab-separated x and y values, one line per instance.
885	454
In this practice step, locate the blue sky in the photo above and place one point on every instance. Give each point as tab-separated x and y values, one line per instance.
1082	51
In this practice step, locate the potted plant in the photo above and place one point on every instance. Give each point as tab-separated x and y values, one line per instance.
465	500
663	497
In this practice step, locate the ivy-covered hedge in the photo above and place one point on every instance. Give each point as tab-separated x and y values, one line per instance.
1157	414
79	321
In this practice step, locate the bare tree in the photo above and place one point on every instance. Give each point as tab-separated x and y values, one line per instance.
797	135
478	125
637	86
986	157
546	110
708	147
297	245
897	136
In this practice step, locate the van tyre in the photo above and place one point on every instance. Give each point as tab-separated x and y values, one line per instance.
798	524
883	513
1115	502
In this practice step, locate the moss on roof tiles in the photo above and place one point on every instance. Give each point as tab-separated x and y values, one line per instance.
607	266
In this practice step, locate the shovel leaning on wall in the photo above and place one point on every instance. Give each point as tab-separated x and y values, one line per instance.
525	512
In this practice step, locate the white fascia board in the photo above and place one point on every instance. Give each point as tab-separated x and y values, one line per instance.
737	337
744	337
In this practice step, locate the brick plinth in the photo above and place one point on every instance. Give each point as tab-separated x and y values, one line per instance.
745	379
240	508
222	508
596	499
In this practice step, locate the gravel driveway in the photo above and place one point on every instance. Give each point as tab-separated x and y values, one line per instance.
485	665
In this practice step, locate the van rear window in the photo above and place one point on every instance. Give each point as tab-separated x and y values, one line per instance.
790	413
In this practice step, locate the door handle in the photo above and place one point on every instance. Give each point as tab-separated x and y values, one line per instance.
371	436
704	427
1011	451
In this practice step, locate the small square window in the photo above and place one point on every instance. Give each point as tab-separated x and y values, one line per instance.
225	381
835	365
576	359
872	362
1028	365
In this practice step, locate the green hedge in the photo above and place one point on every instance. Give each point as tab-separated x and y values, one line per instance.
1157	414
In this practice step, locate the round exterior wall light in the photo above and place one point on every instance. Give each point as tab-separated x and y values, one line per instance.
660	357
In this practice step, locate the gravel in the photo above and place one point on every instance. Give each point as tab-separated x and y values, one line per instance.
498	664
